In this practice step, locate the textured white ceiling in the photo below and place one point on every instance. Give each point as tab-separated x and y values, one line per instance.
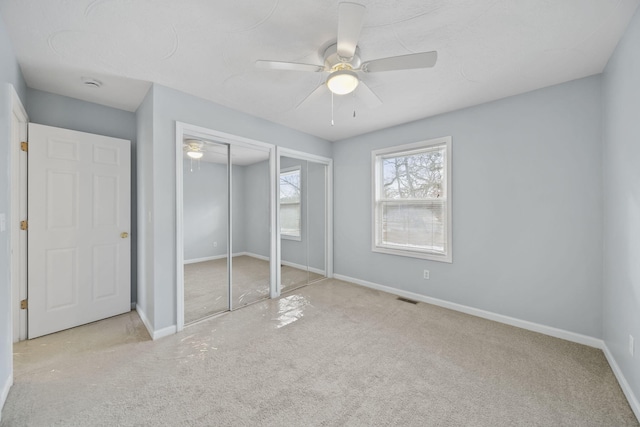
487	49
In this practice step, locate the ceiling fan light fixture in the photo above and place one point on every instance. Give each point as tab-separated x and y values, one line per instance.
342	82
195	154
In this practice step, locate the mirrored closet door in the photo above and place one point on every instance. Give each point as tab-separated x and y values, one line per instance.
253	221
303	217
227	194
251	208
205	223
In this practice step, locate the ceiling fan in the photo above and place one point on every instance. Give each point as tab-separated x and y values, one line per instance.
342	60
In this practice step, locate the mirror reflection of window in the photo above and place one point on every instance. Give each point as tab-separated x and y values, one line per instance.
303	222
290	203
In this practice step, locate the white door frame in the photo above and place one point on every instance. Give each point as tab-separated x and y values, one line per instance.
18	198
328	247
185	129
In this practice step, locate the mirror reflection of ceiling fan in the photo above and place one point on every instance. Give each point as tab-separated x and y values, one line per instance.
194	148
214	152
342	60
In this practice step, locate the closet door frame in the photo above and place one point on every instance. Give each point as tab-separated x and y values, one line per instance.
188	130
328	249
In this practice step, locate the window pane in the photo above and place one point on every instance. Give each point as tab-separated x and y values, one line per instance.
290	219
290	196
290	187
414	176
417	226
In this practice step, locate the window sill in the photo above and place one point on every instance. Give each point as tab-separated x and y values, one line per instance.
290	237
413	254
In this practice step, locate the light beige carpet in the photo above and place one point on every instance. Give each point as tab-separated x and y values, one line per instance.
329	354
206	290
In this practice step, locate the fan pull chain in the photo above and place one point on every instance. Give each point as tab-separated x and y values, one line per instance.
191	165
354	104
332	109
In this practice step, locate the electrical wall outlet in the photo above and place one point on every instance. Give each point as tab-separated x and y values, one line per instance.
631	345
3	222
215	244
425	275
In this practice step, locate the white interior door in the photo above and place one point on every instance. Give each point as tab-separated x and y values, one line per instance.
79	220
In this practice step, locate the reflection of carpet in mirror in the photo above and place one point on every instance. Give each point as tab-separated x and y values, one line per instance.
292	278
205	284
205	289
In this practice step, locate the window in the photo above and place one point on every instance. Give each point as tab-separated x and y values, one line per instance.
412	200
290	206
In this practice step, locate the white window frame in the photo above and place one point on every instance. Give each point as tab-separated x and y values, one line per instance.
376	178
284	235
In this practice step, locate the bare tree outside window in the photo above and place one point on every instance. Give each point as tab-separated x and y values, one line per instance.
415	176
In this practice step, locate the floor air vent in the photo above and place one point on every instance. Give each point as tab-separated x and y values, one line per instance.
410	301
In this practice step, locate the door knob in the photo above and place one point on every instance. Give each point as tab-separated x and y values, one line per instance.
124	234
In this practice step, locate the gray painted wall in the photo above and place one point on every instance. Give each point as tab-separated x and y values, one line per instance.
238	203
257	209
527	208
316	213
56	110
621	142
205	209
144	192
169	105
9	75
60	111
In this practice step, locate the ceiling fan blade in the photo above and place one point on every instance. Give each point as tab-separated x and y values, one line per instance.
404	62
313	95
350	20
368	96
288	66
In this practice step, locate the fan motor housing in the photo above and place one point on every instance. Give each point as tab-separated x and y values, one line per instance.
332	61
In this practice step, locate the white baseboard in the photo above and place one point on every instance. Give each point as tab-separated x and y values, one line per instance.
208	258
145	320
524	324
624	384
304	267
212	258
252	255
164	332
5	392
261	257
169	330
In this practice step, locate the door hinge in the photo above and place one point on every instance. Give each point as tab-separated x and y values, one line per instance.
24	225
24	146
24	304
